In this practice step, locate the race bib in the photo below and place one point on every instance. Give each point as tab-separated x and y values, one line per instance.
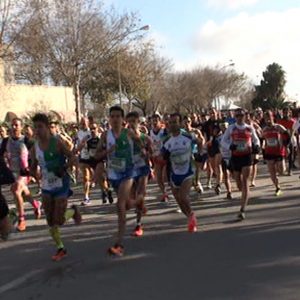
180	159
92	152
241	146
272	142
51	181
118	164
156	147
138	161
84	154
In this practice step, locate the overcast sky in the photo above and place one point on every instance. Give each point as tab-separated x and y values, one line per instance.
251	33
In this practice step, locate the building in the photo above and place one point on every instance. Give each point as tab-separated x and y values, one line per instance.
24	99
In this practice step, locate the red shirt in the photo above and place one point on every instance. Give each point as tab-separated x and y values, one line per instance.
288	124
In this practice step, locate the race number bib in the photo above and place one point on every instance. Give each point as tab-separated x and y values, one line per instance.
180	159
241	146
156	147
118	164
138	161
92	152
51	181
84	154
272	142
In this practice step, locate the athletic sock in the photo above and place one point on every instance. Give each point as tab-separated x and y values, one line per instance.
69	214
55	233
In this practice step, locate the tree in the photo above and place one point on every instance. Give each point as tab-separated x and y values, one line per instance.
270	91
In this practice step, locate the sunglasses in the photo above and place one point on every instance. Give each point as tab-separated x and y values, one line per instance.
93	128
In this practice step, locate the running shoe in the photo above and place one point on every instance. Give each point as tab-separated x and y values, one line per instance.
104	197
192	223
110	197
37	209
278	192
21	225
218	189
241	216
93	185
86	202
116	250
138	231
60	254
209	185
199	188
229	196
77	215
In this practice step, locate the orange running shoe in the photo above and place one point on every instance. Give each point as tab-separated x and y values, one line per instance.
192	223
60	254
138	231
116	250
21	225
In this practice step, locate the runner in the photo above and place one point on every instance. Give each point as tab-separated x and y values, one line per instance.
141	156
199	159
226	164
207	129
117	147
242	140
17	154
158	134
288	122
255	157
84	134
274	147
51	154
89	163
177	148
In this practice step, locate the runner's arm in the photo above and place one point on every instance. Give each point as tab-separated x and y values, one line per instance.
34	163
226	139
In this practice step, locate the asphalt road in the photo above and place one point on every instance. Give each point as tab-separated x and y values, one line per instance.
256	259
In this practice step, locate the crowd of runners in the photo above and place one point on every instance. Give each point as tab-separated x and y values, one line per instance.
206	151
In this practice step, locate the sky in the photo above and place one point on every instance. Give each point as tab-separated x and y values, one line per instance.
249	33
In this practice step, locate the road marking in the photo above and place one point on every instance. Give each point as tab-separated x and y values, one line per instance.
18	281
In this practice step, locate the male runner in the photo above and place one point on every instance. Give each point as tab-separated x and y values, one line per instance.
53	157
274	148
196	134
242	140
177	148
116	145
83	135
18	157
141	156
158	134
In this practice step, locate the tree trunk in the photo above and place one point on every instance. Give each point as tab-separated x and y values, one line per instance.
77	100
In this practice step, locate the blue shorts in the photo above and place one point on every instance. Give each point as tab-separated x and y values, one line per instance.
177	180
141	172
115	183
63	192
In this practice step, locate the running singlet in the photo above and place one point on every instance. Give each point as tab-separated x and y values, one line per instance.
138	159
92	144
51	163
83	134
121	159
242	138
273	138
17	155
158	139
179	150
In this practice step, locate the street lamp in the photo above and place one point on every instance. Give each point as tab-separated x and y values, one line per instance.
143	28
217	100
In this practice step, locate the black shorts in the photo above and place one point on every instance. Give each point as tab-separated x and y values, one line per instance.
226	165
3	207
273	157
92	163
239	162
200	158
